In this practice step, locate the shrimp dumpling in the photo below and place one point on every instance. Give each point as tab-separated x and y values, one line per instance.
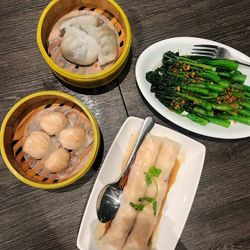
57	161
37	144
72	138
107	40
53	122
78	47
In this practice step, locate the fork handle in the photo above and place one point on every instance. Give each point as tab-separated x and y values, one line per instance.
243	63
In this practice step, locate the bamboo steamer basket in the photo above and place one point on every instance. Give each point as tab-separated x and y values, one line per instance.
109	8
12	138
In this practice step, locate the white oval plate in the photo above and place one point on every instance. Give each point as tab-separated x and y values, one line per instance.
151	58
180	197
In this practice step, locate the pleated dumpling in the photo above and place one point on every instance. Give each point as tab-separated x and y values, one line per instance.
78	47
107	40
37	144
108	43
57	161
72	138
53	122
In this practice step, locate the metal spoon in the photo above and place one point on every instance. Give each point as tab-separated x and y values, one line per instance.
108	200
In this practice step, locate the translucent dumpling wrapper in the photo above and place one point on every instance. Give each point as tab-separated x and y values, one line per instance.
134	189
79	20
73	138
107	40
37	145
78	47
57	161
53	122
146	220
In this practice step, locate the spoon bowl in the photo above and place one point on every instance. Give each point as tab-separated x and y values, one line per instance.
109	202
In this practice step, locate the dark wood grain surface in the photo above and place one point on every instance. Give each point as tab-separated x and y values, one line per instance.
37	219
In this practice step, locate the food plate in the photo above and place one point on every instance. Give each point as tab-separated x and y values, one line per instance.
180	197
151	58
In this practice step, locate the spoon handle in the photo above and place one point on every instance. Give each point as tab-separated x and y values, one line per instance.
147	125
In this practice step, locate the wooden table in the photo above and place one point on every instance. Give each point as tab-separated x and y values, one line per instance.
37	219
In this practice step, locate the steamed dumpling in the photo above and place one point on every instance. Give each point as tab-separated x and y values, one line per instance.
107	40
78	20
53	122
108	43
78	47
57	161
72	138
37	144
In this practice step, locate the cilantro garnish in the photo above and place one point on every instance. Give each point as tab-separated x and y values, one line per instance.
137	207
150	176
148	179
152	173
154	205
147	199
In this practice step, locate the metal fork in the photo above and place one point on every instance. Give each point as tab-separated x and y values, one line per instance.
214	51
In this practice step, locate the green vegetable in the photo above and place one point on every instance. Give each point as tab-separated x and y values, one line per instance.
204	88
216	87
234	76
212	95
241	87
224	107
197	119
196	100
210	75
220	63
224	74
244	112
220	121
195	89
170	59
224	83
202	111
241	119
245	104
237	76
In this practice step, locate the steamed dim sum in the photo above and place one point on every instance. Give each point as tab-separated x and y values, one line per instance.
107	40
53	122
72	138
37	144
78	47
83	41
146	220
57	161
136	187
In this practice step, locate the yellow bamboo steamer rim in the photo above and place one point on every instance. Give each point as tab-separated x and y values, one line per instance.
6	155
91	79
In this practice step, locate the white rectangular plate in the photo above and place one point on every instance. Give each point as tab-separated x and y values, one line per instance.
180	197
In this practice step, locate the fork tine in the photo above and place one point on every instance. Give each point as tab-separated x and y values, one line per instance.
205	50
206	46
202	54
